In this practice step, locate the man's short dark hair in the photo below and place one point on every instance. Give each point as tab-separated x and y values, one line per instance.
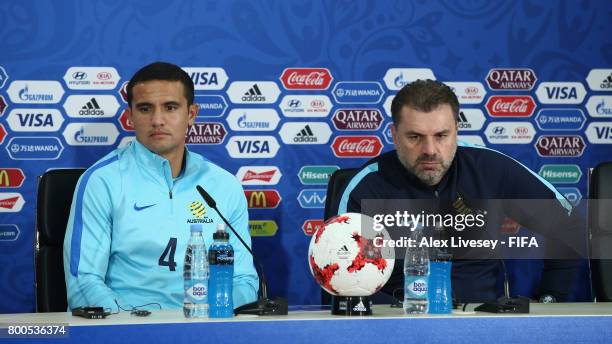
424	96
161	71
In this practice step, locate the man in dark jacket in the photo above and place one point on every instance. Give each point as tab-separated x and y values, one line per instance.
428	163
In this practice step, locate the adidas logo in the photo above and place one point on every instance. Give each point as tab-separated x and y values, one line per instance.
360	307
463	121
305	135
253	95
91	108
343	251
607	82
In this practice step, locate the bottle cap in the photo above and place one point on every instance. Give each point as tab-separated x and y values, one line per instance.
196	227
221	234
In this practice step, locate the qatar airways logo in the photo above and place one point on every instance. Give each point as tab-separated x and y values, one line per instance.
509	79
306	78
560	146
356	146
510	106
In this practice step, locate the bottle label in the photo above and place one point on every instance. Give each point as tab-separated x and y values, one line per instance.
198	291
415	287
222	257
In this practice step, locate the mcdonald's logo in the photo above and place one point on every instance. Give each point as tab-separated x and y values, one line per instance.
11	177
262	199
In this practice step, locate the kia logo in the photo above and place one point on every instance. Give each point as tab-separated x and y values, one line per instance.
104	76
79	75
521	130
471	90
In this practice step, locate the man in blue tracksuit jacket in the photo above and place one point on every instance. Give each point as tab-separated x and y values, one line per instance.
131	212
428	163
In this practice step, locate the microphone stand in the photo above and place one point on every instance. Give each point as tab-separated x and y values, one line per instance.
263	305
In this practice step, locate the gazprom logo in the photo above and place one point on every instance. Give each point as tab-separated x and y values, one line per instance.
35	92
600	106
90	134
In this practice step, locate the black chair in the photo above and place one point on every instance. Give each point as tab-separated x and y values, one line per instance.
600	227
55	190
335	187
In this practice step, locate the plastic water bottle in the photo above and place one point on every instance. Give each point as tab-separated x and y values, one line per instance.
416	276
440	289
195	275
220	284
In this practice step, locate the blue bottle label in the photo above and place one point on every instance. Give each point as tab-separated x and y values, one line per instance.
415	287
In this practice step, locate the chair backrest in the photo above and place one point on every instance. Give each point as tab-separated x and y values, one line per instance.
55	190
600	227
335	187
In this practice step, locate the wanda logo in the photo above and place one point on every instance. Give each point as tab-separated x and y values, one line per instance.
306	78
510	106
356	146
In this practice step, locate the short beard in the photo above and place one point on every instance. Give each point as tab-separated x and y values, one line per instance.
430	178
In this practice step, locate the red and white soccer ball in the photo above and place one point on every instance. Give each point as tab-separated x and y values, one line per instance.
344	260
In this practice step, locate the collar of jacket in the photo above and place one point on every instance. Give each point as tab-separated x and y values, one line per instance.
156	165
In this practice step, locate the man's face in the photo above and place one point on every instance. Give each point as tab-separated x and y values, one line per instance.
160	116
426	142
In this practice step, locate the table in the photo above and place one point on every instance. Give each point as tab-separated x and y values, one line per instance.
547	323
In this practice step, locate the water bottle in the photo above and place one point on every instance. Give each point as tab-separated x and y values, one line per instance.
195	275
416	275
220	284
440	291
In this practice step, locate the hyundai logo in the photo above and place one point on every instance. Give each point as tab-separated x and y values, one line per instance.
294	103
499	130
79	75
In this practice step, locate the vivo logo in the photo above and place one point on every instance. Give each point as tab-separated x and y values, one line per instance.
312	198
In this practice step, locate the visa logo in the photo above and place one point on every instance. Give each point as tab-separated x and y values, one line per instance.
561	92
603	133
35	120
253	146
204	78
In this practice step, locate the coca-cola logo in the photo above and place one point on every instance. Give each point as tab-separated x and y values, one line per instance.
510	106
511	79
560	145
210	133
357	146
357	119
306	78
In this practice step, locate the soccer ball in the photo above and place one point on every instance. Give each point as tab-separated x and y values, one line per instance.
344	260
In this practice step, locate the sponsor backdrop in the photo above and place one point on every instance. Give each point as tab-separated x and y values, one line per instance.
289	92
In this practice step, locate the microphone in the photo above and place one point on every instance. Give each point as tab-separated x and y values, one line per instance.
263	305
506	304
